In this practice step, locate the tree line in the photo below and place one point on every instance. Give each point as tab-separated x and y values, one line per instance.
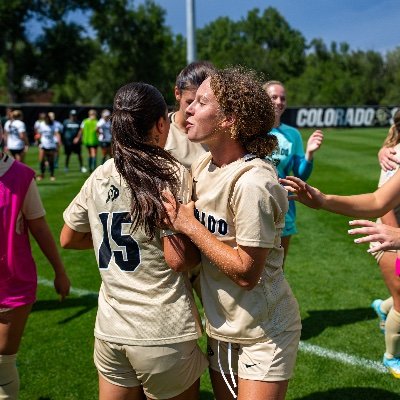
86	64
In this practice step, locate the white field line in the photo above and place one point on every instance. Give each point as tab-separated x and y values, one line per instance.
304	347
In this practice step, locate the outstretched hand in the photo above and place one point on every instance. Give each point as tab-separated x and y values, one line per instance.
302	192
387	237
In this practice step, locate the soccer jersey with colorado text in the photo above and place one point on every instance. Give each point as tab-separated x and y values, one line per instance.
242	203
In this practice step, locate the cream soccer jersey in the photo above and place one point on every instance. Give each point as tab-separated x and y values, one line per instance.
242	203
180	146
141	300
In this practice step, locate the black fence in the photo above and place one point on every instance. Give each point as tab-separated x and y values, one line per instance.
300	117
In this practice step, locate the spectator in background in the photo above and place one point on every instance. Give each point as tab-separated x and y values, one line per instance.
16	139
104	134
49	139
71	141
88	133
290	157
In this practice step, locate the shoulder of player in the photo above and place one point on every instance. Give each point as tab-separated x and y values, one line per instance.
256	171
201	162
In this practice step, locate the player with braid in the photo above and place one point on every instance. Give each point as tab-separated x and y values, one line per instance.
384	237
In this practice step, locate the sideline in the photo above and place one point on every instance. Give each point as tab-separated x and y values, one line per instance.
337	356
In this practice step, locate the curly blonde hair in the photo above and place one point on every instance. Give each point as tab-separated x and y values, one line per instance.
239	93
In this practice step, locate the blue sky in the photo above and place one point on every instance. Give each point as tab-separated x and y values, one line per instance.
364	24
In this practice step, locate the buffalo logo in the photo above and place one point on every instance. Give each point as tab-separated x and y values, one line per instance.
113	193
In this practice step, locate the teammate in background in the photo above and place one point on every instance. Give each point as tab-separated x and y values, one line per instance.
88	134
49	139
389	159
187	82
383	234
186	152
15	137
290	156
22	212
104	134
146	327
40	119
71	141
389	320
58	127
250	310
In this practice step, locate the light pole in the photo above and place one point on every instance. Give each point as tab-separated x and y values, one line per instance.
190	32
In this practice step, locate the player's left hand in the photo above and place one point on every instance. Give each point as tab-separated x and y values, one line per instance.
387	237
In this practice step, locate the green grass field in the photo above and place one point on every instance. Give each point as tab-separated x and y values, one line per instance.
333	279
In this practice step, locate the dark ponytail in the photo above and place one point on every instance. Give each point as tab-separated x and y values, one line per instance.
147	168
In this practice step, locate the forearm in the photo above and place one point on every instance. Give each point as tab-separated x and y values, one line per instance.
227	259
390	219
303	168
70	239
361	206
180	253
42	234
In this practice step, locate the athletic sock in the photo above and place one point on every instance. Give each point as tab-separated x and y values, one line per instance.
392	334
9	378
386	305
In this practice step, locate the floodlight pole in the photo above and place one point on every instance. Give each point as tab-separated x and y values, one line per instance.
190	32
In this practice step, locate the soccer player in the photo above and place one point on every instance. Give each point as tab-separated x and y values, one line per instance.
383	202
187	82
49	138
88	134
104	134
290	157
21	213
71	141
178	144
147	324
252	318
15	137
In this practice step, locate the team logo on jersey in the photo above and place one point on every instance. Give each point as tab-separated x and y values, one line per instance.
216	226
113	193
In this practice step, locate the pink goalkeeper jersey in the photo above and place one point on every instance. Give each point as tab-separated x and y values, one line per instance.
18	279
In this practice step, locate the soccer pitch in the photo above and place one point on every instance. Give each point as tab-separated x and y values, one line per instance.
333	279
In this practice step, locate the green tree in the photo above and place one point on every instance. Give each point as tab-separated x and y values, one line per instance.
391	80
262	41
137	46
63	51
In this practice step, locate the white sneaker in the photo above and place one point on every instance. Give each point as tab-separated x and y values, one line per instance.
83	169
